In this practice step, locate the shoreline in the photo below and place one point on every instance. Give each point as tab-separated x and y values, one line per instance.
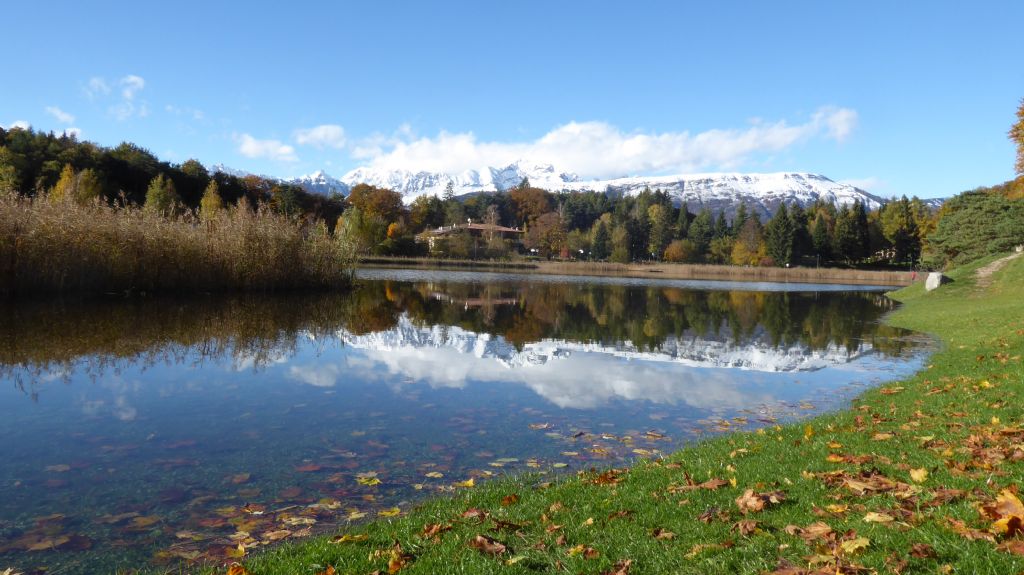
659	270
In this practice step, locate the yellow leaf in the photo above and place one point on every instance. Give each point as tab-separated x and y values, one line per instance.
919	475
732	481
349	538
368	480
237	552
435	475
854	545
354	515
808	432
392	512
467	483
837	508
873	517
559	465
881	436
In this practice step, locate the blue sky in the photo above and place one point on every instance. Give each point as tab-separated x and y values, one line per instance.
897	97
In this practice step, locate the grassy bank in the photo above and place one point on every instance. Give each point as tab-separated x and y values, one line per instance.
908	480
51	246
660	270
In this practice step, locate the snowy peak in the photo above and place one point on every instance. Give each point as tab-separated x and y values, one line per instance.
319	182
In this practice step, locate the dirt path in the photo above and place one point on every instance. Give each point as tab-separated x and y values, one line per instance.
984	275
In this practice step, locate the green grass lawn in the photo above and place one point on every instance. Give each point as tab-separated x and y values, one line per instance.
905	481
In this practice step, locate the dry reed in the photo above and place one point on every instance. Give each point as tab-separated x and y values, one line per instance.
49	246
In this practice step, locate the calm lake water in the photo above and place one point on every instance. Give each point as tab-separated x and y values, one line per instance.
149	431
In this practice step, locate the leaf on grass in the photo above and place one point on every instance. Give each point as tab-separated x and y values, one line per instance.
855	545
620	568
432	530
874	517
583	550
329	571
663	534
349	538
488	545
919	475
509	500
881	436
922	551
236	569
1014	546
1007	511
751	501
397	558
745	527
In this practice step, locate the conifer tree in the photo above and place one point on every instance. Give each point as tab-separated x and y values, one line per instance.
701	231
600	249
778	237
821	239
739	219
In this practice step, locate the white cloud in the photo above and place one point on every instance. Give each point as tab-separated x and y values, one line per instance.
601	150
870	183
196	115
19	124
131	85
60	115
96	87
323	136
275	150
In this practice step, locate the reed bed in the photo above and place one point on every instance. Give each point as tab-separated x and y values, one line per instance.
49	246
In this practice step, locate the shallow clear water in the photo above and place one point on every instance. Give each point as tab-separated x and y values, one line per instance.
149	431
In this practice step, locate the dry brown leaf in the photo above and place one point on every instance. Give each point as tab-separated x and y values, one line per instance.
488	545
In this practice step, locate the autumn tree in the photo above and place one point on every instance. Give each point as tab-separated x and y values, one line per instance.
377	202
161	197
65	186
211	204
1017	136
748	249
426	212
530	203
660	229
679	251
546	235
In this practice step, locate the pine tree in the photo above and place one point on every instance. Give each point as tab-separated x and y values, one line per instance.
211	204
600	246
900	230
682	222
845	240
739	219
701	231
778	237
721	226
821	239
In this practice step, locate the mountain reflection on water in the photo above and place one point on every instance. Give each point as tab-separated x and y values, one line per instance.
131	421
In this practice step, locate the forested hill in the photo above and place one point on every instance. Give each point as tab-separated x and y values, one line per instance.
31	163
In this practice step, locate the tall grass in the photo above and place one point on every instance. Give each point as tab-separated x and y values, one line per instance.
49	246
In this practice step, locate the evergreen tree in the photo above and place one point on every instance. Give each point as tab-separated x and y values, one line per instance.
211	204
161	197
900	229
682	222
721	226
821	239
739	219
449	192
701	231
778	237
860	220
600	249
801	234
845	240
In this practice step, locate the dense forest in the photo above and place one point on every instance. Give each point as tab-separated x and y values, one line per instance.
579	225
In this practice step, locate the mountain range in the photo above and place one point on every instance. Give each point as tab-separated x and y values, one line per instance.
761	192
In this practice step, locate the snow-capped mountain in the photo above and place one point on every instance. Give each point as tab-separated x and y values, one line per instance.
761	193
320	183
716	191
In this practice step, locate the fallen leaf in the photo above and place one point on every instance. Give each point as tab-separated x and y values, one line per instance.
435	475
467	483
873	517
390	512
349	538
236	569
745	527
509	500
853	546
919	475
240	478
277	535
753	502
488	545
922	551
60	468
368	481
620	568
663	534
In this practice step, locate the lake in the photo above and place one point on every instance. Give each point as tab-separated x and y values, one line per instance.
148	431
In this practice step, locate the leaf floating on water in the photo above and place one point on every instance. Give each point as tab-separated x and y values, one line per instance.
540	426
467	483
355	515
390	512
434	475
240	478
277	535
308	468
371	481
60	468
144	521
